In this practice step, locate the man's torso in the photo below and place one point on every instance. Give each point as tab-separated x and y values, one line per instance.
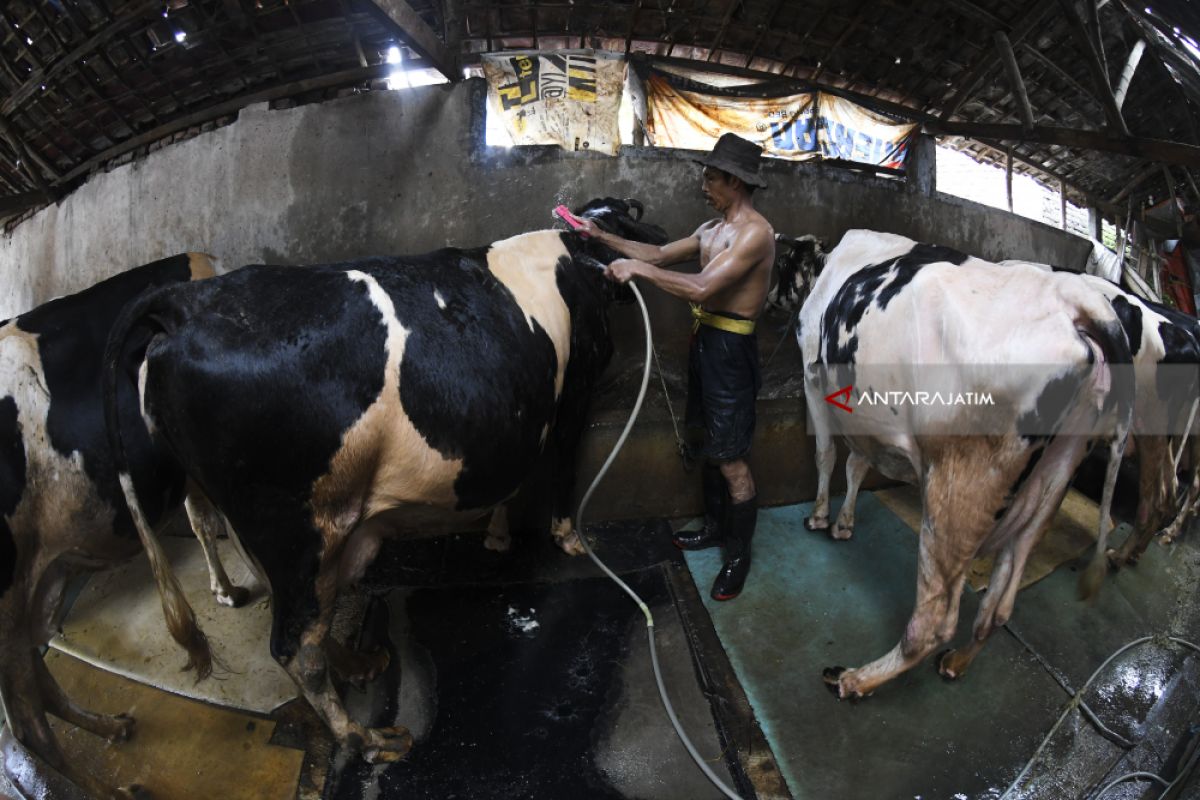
746	296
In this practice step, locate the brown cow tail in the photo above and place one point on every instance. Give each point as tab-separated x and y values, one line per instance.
1105	330
124	352
181	620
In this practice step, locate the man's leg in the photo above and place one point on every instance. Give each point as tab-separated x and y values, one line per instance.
716	509
743	515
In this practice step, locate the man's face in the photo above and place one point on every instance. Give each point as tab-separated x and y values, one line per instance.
717	188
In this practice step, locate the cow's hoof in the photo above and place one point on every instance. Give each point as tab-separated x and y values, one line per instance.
236	598
388	745
832	677
816	527
841	532
134	791
497	543
118	728
945	667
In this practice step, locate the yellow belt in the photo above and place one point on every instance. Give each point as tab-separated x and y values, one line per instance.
702	317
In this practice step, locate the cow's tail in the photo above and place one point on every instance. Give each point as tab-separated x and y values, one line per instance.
123	357
1101	325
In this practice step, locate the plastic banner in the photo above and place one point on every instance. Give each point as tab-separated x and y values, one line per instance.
567	97
853	133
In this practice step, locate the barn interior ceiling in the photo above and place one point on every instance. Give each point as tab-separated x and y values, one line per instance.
1099	96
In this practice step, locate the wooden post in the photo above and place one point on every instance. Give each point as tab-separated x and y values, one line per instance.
1062	204
1176	211
1008	162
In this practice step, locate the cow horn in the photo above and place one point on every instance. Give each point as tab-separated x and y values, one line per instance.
638	207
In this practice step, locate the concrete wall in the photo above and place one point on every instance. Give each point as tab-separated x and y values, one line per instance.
406	171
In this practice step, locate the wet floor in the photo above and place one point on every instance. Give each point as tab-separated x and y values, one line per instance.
527	675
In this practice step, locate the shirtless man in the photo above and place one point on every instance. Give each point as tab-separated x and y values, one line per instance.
736	252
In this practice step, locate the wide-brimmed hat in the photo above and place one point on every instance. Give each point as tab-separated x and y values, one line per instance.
738	157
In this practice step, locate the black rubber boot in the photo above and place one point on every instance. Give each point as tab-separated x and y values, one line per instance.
731	578
716	507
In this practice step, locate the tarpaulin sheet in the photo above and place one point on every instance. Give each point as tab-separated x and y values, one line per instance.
567	97
853	133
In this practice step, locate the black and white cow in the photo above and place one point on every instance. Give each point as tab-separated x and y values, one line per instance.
992	475
61	507
322	408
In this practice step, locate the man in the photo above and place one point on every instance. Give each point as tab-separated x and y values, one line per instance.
736	252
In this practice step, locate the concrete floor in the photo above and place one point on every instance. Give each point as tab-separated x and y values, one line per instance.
525	675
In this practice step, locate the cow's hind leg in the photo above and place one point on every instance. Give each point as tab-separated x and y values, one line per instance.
856	470
208	524
1034	506
954	525
304	583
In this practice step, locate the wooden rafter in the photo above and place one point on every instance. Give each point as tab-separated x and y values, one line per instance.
1004	48
1131	65
117	26
833	48
422	39
720	37
769	22
1092	60
633	21
1032	16
1157	149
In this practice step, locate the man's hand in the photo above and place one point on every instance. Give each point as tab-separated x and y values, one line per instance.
623	270
589	228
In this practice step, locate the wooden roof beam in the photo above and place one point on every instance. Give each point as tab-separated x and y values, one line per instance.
986	62
1131	65
1014	77
420	37
1092	60
132	15
712	50
763	29
1155	149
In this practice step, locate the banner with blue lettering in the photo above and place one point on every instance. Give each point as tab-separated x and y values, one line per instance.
684	113
685	110
566	97
853	133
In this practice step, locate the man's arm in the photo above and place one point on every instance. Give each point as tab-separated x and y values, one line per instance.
672	253
749	247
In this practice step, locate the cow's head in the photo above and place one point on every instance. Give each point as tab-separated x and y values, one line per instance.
622	217
797	262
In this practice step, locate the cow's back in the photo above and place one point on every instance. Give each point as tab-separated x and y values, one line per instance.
428	379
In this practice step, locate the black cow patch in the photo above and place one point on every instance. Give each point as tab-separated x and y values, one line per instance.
877	284
476	380
1131	320
72	332
12	484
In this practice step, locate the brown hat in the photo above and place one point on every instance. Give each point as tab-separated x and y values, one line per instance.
738	157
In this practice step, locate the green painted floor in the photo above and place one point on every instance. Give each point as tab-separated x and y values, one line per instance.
811	603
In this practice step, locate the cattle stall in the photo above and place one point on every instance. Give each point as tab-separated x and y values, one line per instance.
481	655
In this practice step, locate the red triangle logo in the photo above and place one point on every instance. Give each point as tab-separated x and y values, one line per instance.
843	393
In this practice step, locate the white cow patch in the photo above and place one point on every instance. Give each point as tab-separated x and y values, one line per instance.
526	264
441	301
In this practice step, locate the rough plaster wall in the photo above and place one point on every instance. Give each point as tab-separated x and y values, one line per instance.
406	172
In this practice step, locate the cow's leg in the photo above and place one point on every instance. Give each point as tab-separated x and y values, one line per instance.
304	582
856	470
208	524
45	619
956	520
1156	481
498	536
826	460
567	431
1034	506
26	707
1190	505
